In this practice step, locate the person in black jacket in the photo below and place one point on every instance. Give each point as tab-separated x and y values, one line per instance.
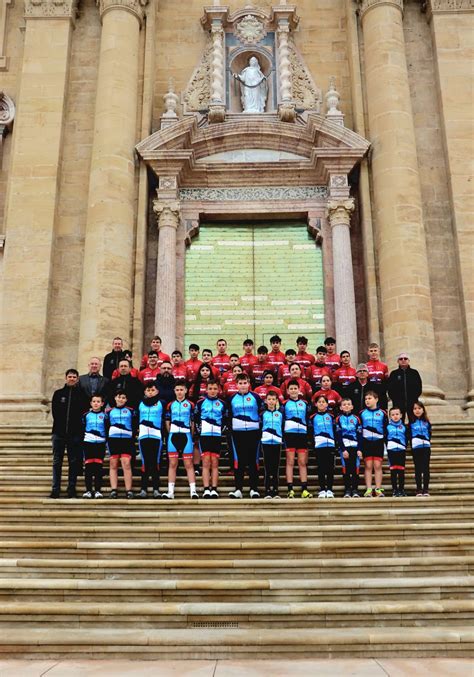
127	383
68	406
112	359
93	383
165	382
356	391
404	385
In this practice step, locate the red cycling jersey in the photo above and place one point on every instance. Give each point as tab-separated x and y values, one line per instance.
162	357
333	398
262	391
216	374
305	360
345	376
180	372
221	362
227	377
258	370
315	373
192	367
305	388
378	371
275	359
230	388
284	371
133	372
333	362
247	362
148	375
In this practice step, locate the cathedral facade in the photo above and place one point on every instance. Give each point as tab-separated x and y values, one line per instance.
237	170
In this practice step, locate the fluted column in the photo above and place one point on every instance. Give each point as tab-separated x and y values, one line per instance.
339	214
400	237
167	214
31	205
108	255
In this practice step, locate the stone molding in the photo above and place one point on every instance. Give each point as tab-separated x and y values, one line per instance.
7	113
365	5
135	7
167	213
446	6
339	212
254	193
3	28
51	9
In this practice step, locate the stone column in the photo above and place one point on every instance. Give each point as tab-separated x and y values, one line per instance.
167	213
217	106
339	214
31	204
286	106
400	237
108	254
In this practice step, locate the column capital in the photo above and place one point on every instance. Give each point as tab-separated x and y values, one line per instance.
51	9
365	5
135	7
339	211
167	213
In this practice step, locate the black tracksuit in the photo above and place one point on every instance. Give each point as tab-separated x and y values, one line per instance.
356	392
68	406
111	362
404	388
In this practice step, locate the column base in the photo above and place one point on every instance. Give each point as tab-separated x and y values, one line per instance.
287	111
469	405
24	410
216	113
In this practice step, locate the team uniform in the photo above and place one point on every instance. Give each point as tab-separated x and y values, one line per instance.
333	398
148	375
230	388
258	370
378	376
295	430
272	437
94	450
192	368
221	363
333	362
397	439
324	434
349	432
209	417
180	417
244	414
263	390
305	360
150	441
180	372
305	388
315	373
284	372
374	424
162	357
247	362
343	378
121	424
420	433
275	359
133	372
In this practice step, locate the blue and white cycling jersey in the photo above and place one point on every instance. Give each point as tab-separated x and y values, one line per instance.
94	427
272	427
420	434
296	414
180	416
245	412
150	420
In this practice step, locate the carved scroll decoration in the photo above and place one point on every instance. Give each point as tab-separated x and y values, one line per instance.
305	93
197	94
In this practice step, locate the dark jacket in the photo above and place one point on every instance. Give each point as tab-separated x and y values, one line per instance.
111	362
404	387
68	406
165	385
132	387
93	385
356	392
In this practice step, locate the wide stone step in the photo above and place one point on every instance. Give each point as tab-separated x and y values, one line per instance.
226	641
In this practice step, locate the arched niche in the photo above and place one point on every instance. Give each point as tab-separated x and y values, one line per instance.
237	62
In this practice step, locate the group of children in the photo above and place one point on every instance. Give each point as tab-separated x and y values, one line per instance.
256	429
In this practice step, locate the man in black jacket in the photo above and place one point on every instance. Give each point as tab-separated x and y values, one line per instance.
165	382
93	383
68	407
112	359
404	385
128	383
357	390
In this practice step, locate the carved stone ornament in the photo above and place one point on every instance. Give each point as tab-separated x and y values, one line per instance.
365	5
250	30
7	112
167	213
197	94
449	5
50	9
305	93
252	193
339	211
136	7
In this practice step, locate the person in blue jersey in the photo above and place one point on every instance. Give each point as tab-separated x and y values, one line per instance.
272	437
180	427
420	435
396	440
210	416
324	435
150	439
94	447
121	424
295	434
244	423
374	425
349	432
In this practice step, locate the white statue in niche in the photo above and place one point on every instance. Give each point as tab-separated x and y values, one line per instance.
253	87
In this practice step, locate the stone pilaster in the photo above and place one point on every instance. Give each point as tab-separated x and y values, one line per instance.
31	204
167	214
285	19
213	20
399	230
452	28
106	306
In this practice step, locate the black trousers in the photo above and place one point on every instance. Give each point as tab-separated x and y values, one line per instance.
325	459
73	445
245	447
271	462
421	459
150	452
94	454
350	470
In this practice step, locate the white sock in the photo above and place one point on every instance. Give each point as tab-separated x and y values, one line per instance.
192	487
171	488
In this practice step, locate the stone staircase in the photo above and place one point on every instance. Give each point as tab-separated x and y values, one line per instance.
236	579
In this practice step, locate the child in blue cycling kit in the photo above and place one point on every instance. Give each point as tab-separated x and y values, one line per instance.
179	424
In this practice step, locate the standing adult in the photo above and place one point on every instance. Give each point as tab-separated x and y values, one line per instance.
165	382
127	383
68	407
357	390
404	385
155	346
93	383
112	359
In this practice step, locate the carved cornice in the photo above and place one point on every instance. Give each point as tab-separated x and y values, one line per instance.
135	7
366	5
339	212
447	6
51	9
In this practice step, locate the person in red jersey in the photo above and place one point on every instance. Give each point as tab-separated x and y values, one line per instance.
230	387
179	369
275	356
199	387
127	355
304	359
193	364
333	360
261	365
228	375
345	375
155	344
284	369
221	361
267	386
296	374
149	374
207	359
319	369
378	371
248	359
332	396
